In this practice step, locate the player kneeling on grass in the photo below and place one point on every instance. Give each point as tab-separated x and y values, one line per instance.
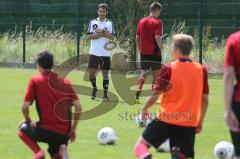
55	130
183	86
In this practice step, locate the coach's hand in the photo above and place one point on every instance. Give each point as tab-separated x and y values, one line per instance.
72	135
231	120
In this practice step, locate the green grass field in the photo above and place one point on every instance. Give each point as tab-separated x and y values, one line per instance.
13	84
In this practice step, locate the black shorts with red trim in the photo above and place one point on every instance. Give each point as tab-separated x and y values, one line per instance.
183	137
151	62
99	62
54	140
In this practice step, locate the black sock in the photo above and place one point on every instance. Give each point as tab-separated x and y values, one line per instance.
105	86
138	94
93	81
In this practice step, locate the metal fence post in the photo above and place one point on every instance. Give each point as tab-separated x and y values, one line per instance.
78	28
200	30
24	31
24	42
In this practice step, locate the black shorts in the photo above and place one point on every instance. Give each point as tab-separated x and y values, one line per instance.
54	140
183	137
151	62
99	62
236	136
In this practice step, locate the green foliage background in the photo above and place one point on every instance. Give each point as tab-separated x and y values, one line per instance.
52	24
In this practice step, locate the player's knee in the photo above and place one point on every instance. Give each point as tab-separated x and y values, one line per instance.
23	128
26	128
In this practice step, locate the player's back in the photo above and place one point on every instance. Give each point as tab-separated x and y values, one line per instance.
233	43
147	29
186	93
54	96
147	25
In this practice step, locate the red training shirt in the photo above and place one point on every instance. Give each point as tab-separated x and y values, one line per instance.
54	96
147	29
232	59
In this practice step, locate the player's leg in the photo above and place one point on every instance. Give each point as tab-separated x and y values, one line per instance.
93	66
236	136
27	135
54	141
154	76
105	66
155	67
236	142
141	149
58	148
145	67
141	82
92	79
54	151
63	150
182	140
105	84
154	135
176	153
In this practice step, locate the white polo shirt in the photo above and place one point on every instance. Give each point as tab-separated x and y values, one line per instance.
97	45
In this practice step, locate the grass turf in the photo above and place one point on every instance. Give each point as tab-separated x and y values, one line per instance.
13	86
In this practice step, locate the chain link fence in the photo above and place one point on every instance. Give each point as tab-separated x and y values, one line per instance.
28	26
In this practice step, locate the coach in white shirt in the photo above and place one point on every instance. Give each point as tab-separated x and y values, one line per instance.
100	32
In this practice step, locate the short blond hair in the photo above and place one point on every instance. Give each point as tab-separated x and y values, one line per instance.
184	43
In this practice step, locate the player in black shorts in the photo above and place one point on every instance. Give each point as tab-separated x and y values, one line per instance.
181	111
100	32
149	41
37	134
54	97
232	89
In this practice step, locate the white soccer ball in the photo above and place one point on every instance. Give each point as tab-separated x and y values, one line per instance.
141	123
165	147
107	136
224	150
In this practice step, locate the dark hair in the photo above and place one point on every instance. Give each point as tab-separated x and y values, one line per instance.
184	43
45	60
156	6
103	5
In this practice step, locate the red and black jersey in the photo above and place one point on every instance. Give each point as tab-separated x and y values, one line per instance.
147	29
232	59
53	96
